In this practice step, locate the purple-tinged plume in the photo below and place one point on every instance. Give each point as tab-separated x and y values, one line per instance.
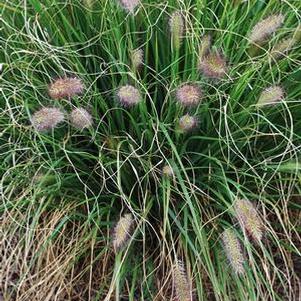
66	87
129	5
129	96
266	28
189	95
81	118
47	119
213	65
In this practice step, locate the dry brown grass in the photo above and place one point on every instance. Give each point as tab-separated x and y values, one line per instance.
50	258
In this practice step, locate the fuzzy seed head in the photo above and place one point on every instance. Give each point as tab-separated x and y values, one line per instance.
47	119
176	26
129	5
129	96
282	48
189	95
205	45
122	231
233	251
80	118
271	95
137	58
187	123
265	28
167	171
66	87
181	283
249	219
213	65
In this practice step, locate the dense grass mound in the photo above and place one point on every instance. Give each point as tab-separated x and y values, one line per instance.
150	150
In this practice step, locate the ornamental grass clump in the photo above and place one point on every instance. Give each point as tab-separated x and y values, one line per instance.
249	219
176	27
129	96
168	117
122	231
66	87
271	95
233	251
47	119
265	28
81	118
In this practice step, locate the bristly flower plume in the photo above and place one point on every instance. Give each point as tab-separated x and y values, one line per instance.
204	47
266	28
167	171
129	5
129	96
249	219
176	26
189	95
47	119
136	59
66	87
187	123
213	65
271	95
122	231
81	118
282	47
180	282
233	251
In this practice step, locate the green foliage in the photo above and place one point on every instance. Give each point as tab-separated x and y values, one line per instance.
86	179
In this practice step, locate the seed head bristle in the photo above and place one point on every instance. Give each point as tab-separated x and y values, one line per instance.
137	58
187	123
189	95
249	219
266	27
129	5
213	65
176	26
297	34
282	48
181	284
66	87
167	171
47	119
270	96
81	118
204	47
233	251
129	96
122	231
